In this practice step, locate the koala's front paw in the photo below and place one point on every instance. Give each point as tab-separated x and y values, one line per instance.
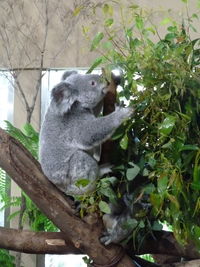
129	111
115	228
115	236
124	113
106	239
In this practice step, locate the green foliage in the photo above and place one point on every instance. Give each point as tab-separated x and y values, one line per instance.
161	82
96	40
5	200
3	184
131	173
104	207
147	257
28	137
6	259
87	261
95	201
82	182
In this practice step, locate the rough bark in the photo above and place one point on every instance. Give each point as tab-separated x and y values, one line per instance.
163	242
26	172
194	263
109	107
36	242
58	243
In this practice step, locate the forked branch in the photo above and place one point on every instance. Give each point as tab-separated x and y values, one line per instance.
26	172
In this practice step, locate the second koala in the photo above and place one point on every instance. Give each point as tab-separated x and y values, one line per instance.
71	131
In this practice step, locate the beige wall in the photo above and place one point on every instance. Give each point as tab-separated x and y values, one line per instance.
26	36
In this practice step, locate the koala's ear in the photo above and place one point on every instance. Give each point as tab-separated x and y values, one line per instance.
63	96
67	74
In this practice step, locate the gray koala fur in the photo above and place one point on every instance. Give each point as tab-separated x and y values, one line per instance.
71	131
115	222
116	230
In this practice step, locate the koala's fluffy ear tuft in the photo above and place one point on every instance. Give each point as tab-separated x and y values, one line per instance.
63	96
67	74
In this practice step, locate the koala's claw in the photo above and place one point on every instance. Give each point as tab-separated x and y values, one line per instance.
104	169
129	111
106	239
77	207
124	113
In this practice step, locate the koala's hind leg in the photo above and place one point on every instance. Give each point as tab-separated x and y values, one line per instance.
115	228
57	174
82	166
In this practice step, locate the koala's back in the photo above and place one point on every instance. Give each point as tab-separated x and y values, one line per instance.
61	157
56	137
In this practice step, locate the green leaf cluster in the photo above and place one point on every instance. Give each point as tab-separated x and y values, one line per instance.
162	83
28	137
6	259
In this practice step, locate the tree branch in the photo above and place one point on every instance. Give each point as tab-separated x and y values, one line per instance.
194	263
36	242
27	173
80	237
163	242
108	107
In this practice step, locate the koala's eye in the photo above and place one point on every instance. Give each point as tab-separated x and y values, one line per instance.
93	83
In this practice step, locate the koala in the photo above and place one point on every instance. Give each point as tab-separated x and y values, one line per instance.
72	131
122	220
115	225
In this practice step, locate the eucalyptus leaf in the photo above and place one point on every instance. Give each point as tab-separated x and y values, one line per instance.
97	39
166	21
108	192
196	171
104	207
95	64
167	125
189	147
124	142
131	173
130	224
157	226
119	133
162	184
109	22
111	180
77	11
82	182
150	188
108	9
139	22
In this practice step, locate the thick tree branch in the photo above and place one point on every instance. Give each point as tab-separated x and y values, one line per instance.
57	243
36	242
84	237
26	172
194	263
162	242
